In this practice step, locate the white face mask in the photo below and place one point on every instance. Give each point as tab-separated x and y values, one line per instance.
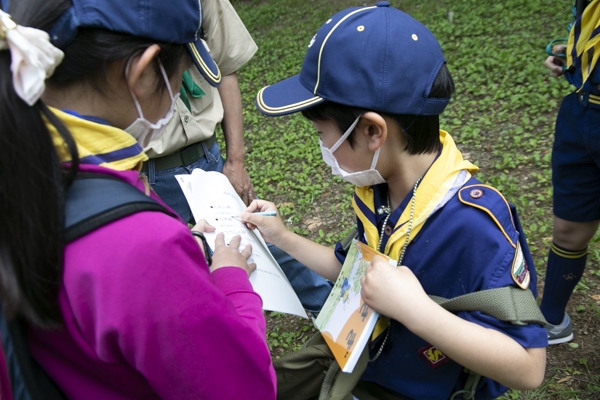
143	130
368	177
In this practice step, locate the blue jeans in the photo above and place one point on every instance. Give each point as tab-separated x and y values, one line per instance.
167	188
312	289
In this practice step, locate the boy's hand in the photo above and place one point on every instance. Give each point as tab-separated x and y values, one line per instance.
393	291
271	228
556	64
230	255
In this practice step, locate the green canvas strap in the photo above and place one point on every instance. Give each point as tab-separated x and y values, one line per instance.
511	304
338	385
347	240
470	388
506	304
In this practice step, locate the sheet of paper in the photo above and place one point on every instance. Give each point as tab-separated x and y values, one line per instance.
211	197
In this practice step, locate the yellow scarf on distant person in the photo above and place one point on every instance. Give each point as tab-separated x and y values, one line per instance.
98	144
584	41
448	173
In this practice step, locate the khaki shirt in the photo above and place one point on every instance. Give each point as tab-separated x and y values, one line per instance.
231	46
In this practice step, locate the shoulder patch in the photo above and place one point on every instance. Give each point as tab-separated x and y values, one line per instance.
490	201
520	271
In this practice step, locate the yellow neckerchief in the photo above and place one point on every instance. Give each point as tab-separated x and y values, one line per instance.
584	40
98	144
431	194
445	176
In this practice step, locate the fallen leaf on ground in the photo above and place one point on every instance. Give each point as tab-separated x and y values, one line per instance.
313	223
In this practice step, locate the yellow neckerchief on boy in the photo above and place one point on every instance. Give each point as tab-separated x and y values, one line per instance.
98	144
584	40
448	173
436	188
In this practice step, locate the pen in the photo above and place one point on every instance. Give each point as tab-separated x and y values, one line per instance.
261	213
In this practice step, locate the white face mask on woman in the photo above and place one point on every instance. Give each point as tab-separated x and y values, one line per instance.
143	130
368	177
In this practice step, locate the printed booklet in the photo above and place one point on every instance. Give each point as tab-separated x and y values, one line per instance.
346	322
211	197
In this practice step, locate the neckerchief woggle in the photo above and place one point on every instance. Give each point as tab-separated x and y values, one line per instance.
584	41
97	144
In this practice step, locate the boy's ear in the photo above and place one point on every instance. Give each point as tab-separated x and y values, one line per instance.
375	126
141	76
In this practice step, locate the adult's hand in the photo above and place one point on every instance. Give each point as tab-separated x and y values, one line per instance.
239	178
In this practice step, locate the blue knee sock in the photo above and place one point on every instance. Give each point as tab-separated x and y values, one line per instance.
565	268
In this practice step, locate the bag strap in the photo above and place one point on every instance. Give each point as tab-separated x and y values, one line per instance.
92	201
506	304
28	380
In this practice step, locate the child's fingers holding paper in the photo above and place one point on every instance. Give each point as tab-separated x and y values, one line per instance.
203	226
229	255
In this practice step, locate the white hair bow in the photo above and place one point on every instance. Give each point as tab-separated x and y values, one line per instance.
33	57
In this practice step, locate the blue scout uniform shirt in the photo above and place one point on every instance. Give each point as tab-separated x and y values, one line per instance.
462	248
573	76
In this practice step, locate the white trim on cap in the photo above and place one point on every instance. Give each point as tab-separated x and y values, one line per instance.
327	37
215	78
285	109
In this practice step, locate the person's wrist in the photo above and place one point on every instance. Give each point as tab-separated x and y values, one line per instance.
205	247
235	160
284	239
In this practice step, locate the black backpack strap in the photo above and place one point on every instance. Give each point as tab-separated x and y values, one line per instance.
27	379
94	200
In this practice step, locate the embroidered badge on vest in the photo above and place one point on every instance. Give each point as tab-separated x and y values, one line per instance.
520	271
433	356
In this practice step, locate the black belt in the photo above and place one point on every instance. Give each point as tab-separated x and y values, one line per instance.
185	156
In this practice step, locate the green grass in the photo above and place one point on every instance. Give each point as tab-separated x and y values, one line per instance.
502	115
502	118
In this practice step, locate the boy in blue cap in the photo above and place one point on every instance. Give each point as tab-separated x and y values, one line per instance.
374	82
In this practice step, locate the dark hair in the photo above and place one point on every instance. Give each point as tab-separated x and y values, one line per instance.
421	131
32	181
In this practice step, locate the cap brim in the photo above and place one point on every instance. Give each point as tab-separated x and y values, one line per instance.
285	97
206	65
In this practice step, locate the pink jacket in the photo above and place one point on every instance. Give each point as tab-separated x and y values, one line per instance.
144	318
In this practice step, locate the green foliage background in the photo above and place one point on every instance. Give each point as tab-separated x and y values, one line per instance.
502	116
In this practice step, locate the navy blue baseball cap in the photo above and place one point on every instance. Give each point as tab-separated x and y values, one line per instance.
172	21
378	58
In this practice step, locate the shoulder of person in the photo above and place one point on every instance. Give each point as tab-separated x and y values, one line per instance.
490	201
